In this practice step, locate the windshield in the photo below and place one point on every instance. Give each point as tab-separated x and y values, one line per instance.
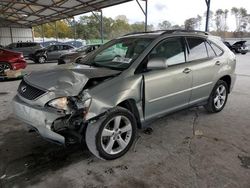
118	54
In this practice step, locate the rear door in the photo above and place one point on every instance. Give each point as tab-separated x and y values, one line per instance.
205	64
170	89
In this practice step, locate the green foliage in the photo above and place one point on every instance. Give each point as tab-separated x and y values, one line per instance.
60	29
88	27
165	25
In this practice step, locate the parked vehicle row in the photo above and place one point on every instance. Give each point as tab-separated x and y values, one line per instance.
64	53
124	85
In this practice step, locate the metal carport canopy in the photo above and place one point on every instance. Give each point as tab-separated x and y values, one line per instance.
37	12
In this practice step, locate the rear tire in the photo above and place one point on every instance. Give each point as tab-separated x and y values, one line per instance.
114	136
218	97
41	60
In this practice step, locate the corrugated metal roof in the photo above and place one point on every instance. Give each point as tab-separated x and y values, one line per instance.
36	12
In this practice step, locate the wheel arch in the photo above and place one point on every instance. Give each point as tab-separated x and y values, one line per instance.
228	80
130	104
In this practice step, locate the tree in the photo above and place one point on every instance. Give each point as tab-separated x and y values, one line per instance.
198	22
218	19
122	17
178	27
190	24
164	25
61	30
240	14
210	19
193	23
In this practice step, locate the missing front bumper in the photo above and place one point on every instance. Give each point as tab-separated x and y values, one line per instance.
38	119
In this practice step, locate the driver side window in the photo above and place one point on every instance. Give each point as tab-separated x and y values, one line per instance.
171	49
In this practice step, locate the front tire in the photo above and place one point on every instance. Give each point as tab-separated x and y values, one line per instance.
114	136
218	97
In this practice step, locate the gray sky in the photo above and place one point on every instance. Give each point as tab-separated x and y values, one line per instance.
175	11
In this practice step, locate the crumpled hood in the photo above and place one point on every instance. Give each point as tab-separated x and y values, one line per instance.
241	42
67	80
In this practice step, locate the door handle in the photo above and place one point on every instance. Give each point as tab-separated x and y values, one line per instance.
187	70
217	63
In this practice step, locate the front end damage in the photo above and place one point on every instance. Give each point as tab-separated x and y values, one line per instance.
55	110
59	126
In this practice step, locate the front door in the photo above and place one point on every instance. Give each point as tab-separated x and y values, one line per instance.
170	89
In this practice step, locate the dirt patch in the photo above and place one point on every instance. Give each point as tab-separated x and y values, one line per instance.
245	161
148	131
4	93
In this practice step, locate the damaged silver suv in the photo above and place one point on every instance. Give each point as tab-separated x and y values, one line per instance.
124	85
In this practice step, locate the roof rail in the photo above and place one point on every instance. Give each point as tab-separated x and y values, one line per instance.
141	32
169	32
184	31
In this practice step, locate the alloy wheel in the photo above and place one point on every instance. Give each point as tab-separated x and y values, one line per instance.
220	96
116	135
41	59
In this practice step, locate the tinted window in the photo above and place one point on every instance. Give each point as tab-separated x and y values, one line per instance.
171	49
19	45
13	45
217	50
197	49
210	51
53	48
66	47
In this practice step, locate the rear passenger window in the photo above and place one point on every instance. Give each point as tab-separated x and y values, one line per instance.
217	50
197	49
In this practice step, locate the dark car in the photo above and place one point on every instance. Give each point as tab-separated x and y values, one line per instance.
26	48
11	63
50	53
240	47
237	47
78	53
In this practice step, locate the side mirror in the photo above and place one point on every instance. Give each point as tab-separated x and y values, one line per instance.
157	64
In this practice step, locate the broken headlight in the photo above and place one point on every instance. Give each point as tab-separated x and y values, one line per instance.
59	103
85	102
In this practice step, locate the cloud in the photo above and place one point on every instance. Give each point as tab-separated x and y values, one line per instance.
160	7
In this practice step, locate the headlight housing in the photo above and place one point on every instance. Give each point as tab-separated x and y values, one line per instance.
59	103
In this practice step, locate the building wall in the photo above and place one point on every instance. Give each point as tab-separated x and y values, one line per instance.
12	34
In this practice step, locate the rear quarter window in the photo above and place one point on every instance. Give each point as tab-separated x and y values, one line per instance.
216	49
197	49
210	51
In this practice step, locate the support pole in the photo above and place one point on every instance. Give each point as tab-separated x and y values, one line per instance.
207	16
56	32
101	29
11	35
146	15
43	33
145	12
100	19
74	29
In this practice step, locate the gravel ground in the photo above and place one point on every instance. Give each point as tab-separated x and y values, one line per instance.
190	148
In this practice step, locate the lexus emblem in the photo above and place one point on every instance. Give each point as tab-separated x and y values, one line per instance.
23	89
